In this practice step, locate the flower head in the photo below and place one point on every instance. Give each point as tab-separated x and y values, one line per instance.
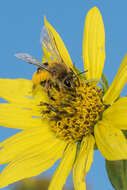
63	112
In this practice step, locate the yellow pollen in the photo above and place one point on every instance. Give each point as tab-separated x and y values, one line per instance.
73	114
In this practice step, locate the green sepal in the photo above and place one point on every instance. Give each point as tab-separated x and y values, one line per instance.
117	173
104	83
95	147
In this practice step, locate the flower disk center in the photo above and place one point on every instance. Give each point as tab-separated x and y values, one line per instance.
73	114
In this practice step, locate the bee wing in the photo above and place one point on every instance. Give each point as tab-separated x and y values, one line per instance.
49	44
29	59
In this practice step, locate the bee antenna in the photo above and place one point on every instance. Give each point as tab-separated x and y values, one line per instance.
82	72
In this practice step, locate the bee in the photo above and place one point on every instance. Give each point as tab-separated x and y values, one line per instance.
55	74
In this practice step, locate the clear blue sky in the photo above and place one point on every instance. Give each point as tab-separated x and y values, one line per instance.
20	26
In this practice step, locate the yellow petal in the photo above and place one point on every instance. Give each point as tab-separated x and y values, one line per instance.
16	90
58	45
14	116
64	168
39	95
25	140
33	162
47	56
110	141
117	114
83	162
94	44
118	83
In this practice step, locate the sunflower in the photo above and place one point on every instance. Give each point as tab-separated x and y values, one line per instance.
63	114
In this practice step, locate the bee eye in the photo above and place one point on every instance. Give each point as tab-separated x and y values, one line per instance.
67	83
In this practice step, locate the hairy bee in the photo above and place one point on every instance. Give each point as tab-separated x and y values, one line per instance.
55	74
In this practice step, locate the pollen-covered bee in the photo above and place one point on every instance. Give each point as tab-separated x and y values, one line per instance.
54	73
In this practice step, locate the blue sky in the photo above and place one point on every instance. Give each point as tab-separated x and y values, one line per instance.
20	26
